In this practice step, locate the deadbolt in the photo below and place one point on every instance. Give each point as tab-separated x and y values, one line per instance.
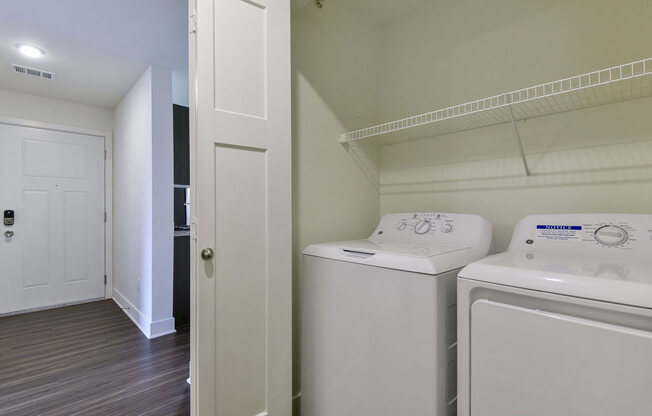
9	217
207	253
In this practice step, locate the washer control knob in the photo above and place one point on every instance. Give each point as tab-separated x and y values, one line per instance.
611	235
422	227
401	226
446	227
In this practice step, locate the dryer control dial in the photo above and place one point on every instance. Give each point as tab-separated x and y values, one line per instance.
422	227
611	235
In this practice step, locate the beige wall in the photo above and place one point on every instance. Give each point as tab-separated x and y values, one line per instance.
48	110
446	53
334	78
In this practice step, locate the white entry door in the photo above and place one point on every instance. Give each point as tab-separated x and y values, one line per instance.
241	349
54	182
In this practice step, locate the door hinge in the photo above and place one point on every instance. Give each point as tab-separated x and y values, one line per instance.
193	23
104	280
193	228
105	216
105	155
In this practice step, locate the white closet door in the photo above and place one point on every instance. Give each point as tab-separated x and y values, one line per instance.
241	363
529	362
54	181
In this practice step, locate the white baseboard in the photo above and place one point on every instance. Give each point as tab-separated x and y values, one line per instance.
132	312
161	327
150	329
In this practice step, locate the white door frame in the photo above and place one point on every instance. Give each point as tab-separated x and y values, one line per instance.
192	80
108	183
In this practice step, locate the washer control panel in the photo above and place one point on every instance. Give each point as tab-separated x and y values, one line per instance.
431	228
430	223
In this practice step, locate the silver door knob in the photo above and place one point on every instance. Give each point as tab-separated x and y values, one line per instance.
207	253
9	234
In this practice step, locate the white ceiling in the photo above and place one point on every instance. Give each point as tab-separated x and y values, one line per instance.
97	48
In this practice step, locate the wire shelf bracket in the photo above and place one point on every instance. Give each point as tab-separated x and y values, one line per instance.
519	141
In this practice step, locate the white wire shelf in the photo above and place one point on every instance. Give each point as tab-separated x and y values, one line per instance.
619	83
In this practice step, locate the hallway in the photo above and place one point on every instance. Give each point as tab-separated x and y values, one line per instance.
90	359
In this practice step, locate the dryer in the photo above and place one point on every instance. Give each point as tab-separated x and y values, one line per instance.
561	323
378	317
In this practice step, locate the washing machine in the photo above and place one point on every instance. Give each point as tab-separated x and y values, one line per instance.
561	323
378	317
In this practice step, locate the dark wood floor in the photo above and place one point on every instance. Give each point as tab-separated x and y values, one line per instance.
90	360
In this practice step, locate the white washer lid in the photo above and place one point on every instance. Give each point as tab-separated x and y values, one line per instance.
611	279
425	259
426	242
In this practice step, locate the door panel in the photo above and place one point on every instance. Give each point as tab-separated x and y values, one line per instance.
530	362
55	183
35	230
45	159
241	158
240	57
77	245
241	285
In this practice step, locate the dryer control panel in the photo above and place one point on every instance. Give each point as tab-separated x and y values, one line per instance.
584	233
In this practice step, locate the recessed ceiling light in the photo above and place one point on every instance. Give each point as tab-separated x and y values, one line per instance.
29	50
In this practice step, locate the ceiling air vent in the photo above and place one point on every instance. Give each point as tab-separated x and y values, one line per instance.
19	69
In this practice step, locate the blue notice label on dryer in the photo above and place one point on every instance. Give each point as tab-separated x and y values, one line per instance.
559	232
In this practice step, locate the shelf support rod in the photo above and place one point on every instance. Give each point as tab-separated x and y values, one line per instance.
518	139
364	162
